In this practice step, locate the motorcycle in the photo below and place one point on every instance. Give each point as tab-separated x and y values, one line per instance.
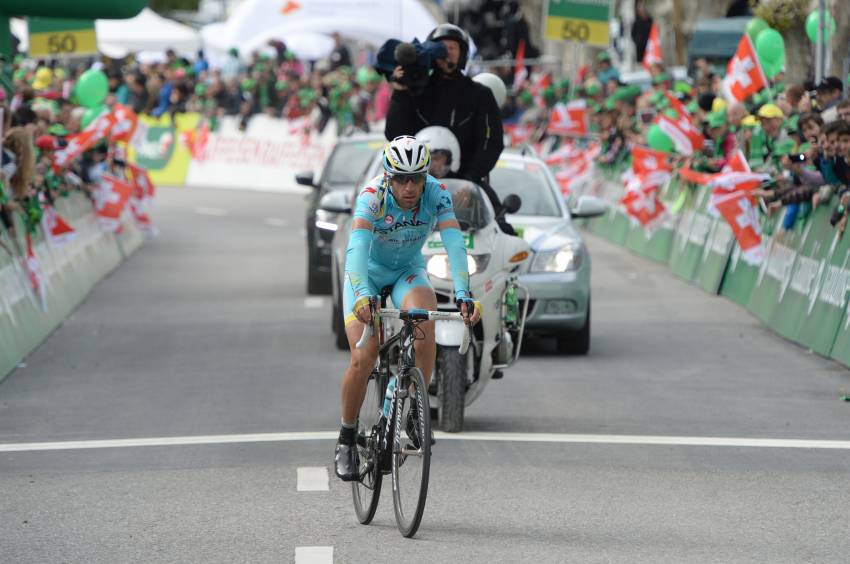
493	260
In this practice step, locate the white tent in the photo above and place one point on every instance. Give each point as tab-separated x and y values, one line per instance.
255	22
147	32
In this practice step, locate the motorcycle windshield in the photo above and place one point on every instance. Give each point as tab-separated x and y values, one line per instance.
471	207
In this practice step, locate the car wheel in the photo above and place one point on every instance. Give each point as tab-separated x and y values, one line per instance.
575	342
340	338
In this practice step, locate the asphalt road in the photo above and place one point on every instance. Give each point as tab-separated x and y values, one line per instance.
207	332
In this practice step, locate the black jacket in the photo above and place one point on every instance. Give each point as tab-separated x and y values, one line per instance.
466	107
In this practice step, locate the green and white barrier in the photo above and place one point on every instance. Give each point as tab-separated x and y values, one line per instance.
801	290
69	272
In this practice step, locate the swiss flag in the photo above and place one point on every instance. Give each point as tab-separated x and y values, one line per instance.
573	173
646	160
568	119
643	205
142	199
124	125
744	75
77	145
102	125
565	153
653	55
56	229
686	137
519	134
738	163
678	106
731	198
35	275
694	177
110	199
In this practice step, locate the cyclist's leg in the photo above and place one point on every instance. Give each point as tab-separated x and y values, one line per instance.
356	376
413	290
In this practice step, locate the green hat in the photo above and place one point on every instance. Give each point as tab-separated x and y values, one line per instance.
526	96
595	108
792	123
563	84
609	105
784	147
692	106
549	93
660	77
57	129
248	83
683	87
281	85
716	119
603	56
658	99
627	93
233	51
592	88
200	89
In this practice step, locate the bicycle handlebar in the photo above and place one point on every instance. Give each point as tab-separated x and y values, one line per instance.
432	316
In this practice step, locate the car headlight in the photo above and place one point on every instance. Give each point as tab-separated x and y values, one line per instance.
326	220
438	265
565	259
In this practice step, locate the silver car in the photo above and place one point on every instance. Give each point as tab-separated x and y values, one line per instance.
557	276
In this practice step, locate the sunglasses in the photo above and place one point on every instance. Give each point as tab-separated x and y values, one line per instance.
405	178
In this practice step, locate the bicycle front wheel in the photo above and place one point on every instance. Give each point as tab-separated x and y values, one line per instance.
367	490
411	460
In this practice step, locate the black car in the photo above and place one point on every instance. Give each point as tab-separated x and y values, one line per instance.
333	189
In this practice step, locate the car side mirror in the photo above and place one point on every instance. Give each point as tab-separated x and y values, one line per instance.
305	179
511	203
588	206
335	202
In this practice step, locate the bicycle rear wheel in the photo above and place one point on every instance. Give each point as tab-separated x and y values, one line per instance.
367	491
411	460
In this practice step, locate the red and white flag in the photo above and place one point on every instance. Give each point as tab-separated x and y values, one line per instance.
124	125
732	199
641	201
563	154
646	160
678	106
77	145
35	276
744	75
520	72
738	163
141	201
56	229
111	197
686	137
102	125
652	55
568	119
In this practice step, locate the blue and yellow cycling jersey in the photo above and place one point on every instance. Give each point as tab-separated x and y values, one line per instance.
398	235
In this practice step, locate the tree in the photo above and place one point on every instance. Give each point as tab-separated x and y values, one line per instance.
788	17
164	6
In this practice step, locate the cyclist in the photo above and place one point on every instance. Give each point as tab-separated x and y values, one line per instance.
393	216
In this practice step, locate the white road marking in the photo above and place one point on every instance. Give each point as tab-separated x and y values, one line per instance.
276	222
312	479
215	212
313	302
314	555
506	437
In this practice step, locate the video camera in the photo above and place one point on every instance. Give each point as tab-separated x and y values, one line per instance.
416	60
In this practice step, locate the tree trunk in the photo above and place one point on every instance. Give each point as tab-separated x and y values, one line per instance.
799	55
840	10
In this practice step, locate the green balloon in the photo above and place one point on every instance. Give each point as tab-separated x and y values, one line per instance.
813	22
658	140
770	46
91	88
90	115
772	69
756	26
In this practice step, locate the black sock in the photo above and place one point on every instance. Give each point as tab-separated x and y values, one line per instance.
347	435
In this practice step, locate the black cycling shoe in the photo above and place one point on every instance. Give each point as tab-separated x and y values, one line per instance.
347	462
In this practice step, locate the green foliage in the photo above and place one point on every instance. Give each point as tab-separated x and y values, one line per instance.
781	15
163	6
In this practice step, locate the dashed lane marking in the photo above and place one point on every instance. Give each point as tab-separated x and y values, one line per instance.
276	222
507	437
215	212
313	302
314	555
312	479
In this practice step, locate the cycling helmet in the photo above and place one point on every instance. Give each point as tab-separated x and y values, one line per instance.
451	31
439	138
406	155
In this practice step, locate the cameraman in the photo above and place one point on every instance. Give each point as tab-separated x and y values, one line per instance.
451	99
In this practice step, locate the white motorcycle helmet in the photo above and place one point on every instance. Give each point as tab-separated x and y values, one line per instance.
438	139
495	84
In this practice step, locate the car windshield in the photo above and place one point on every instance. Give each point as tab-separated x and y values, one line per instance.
528	181
470	206
348	162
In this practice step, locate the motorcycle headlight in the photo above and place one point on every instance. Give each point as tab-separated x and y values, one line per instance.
438	265
565	259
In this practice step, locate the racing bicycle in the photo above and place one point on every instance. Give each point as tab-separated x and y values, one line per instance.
396	440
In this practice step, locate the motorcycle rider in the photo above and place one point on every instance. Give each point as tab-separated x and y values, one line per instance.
453	100
393	217
445	150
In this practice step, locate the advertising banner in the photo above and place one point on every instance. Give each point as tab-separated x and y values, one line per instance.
162	146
